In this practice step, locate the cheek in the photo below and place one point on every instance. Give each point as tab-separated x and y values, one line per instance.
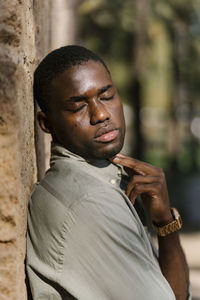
121	111
78	125
117	111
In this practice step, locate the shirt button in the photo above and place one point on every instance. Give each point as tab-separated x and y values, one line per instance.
113	181
119	172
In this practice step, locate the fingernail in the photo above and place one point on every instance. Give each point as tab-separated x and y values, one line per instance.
115	158
112	159
119	154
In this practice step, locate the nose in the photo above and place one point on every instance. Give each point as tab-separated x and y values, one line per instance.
98	112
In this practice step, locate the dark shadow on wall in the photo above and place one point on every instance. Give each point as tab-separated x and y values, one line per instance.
39	146
28	288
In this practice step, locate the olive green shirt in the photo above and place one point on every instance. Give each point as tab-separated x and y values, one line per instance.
85	240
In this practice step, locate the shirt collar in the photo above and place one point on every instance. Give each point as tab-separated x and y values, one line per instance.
59	151
102	167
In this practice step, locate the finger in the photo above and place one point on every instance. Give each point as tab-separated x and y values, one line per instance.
138	179
130	164
130	187
139	167
129	171
152	189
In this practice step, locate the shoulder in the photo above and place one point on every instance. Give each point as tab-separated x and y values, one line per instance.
67	181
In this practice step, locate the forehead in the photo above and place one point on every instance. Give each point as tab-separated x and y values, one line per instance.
81	79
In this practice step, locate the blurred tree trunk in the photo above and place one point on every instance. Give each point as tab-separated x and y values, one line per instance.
182	109
42	41
142	8
63	22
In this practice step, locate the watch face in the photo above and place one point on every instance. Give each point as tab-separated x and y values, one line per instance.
175	213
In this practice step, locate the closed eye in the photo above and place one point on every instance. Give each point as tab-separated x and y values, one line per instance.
106	98
78	108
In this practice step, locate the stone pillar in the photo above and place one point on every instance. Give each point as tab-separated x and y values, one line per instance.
18	58
25	38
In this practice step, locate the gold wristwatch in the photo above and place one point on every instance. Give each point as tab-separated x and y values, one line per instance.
172	226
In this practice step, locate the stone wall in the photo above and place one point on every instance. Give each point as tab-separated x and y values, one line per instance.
24	38
29	29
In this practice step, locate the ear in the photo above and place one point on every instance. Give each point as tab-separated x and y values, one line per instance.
43	122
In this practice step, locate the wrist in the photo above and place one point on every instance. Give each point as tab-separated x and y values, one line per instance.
163	219
171	226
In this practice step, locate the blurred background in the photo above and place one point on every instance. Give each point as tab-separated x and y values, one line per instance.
152	49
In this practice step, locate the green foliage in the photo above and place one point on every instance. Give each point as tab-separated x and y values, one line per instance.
157	46
106	28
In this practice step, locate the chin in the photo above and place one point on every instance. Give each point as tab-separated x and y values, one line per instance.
109	152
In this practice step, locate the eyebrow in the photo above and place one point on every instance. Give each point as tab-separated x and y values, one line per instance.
82	97
104	89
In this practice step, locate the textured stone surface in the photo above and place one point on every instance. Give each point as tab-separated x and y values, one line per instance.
20	23
42	15
25	38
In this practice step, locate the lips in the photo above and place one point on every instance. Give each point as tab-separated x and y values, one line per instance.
106	134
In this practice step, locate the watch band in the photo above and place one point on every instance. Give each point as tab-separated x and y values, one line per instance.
172	226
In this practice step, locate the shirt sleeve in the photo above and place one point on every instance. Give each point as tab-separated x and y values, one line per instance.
94	249
106	257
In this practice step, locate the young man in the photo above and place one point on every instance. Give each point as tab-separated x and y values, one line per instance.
85	239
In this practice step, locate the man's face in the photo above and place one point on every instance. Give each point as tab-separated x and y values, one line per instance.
86	114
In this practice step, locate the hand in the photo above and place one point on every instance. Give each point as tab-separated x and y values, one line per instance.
149	182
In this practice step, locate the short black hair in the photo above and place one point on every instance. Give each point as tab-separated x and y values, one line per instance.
55	63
